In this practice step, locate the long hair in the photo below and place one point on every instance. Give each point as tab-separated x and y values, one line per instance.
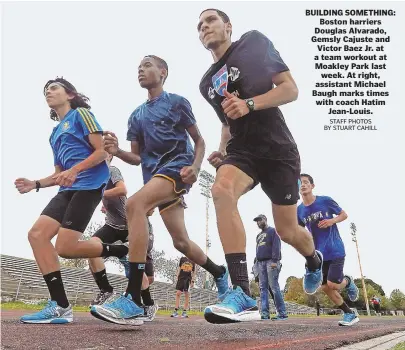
79	100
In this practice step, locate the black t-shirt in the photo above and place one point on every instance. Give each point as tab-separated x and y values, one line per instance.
186	268
247	69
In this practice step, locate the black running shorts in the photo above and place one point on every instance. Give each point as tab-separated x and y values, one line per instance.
108	234
278	178
74	209
183	285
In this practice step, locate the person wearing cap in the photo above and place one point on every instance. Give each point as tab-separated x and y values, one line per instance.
81	172
268	255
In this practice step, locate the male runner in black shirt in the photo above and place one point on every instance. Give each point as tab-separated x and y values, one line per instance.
256	147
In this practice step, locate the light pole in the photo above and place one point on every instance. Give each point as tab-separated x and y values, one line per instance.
206	182
354	239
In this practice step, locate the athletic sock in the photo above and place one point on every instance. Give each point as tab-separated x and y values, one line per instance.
56	290
345	308
237	267
102	281
214	269
118	250
313	261
136	271
146	297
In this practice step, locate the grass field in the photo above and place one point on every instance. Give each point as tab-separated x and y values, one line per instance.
22	306
400	346
17	305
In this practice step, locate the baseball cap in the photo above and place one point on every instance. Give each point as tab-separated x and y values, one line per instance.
260	217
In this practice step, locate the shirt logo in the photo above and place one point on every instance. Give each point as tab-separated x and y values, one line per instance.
220	81
234	73
66	125
211	93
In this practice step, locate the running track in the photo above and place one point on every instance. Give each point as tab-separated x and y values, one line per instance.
88	333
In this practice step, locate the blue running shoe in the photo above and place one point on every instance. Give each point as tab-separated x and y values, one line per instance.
223	285
313	279
265	317
349	320
51	313
352	290
279	318
236	307
121	310
125	262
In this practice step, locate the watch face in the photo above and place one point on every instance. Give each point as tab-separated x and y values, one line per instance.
250	103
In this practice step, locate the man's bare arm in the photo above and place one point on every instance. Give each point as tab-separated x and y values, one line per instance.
199	149
98	155
341	217
225	137
49	181
285	91
119	190
132	157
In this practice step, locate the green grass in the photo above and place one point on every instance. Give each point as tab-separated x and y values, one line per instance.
400	346
17	305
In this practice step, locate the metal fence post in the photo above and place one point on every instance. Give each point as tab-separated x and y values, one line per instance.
19	284
77	291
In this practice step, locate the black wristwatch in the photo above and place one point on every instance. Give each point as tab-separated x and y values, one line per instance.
37	185
250	104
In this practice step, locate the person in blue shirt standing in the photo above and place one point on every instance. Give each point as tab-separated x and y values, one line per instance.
268	255
320	214
81	173
159	131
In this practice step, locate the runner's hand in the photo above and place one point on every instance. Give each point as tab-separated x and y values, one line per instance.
216	158
110	142
24	185
189	174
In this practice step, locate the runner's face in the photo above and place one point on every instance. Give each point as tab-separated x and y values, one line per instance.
56	95
149	74
306	186
212	30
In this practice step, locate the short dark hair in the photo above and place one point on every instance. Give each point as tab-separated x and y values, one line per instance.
79	100
310	178
220	13
161	63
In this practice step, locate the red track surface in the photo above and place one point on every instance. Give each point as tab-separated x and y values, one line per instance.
193	333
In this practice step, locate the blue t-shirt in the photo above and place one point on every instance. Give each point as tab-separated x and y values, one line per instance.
70	144
160	127
268	245
327	240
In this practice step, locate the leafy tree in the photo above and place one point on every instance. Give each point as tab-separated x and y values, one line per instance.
254	288
397	299
295	293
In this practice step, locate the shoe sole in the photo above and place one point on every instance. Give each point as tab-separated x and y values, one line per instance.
357	296
320	282
121	321
218	318
351	323
61	320
150	319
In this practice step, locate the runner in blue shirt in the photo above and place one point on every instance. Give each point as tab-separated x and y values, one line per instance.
320	214
159	131
81	173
